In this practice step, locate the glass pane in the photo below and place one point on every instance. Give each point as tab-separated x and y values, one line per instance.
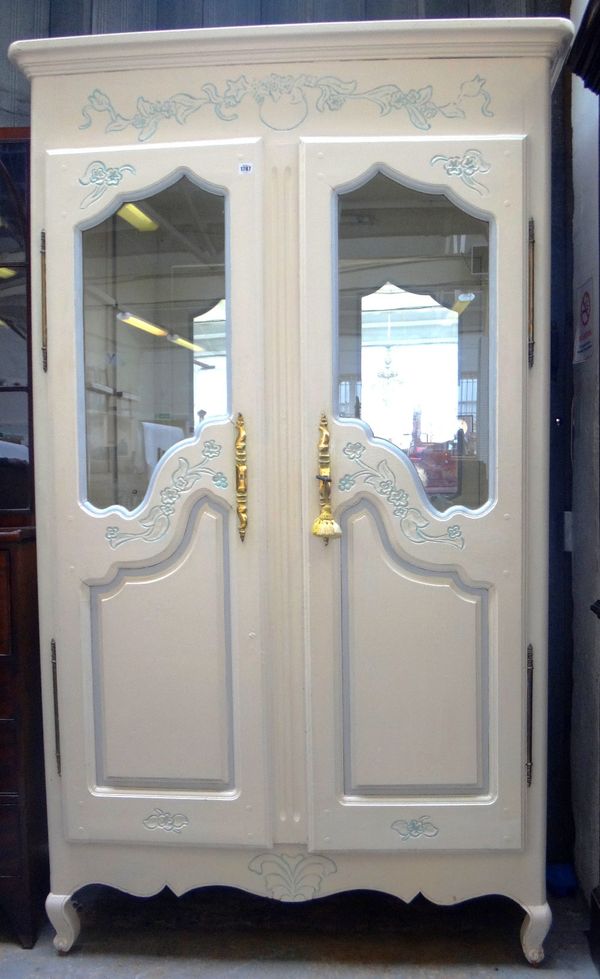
413	351
13	194
14	450
13	328
155	335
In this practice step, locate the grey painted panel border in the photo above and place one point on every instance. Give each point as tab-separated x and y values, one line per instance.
481	594
203	504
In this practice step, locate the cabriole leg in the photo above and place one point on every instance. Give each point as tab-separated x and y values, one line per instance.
534	930
64	919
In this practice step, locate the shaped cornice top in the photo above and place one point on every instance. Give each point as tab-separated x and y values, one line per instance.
523	37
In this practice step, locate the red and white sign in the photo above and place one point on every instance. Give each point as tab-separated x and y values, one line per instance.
584	323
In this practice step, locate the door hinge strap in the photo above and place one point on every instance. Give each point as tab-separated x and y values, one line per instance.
44	302
55	696
529	762
531	288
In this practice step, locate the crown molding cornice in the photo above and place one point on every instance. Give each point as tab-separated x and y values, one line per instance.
531	37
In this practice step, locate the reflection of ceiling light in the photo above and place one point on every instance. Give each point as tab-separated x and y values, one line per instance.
185	343
137	218
3	323
140	324
464	300
7	273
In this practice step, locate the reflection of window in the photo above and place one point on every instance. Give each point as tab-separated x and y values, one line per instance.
409	367
349	400
155	334
413	339
210	366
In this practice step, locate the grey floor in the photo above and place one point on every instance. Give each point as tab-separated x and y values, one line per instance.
224	933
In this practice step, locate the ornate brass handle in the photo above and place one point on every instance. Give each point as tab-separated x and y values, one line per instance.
241	476
325	526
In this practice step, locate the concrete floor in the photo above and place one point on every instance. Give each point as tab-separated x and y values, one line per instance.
217	932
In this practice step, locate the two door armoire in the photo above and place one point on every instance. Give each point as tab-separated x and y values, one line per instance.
291	379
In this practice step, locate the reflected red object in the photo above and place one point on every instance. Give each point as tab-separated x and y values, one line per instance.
438	463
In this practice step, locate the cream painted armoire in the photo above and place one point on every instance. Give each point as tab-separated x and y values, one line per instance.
291	380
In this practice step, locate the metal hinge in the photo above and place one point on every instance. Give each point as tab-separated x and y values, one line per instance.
44	303
55	696
530	299
529	761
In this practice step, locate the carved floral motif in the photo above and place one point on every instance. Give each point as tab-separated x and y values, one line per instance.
413	829
100	178
465	167
167	821
413	522
183	479
292	878
283	102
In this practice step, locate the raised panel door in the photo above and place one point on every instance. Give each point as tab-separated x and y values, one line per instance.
155	382
417	630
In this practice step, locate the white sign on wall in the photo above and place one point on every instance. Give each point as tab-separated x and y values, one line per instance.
584	322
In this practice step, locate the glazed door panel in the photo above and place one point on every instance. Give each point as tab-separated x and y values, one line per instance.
417	644
158	602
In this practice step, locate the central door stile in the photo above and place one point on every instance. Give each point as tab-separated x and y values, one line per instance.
283	474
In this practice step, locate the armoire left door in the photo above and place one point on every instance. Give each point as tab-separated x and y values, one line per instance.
155	379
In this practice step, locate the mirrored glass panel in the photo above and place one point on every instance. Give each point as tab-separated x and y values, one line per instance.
15	428
413	344
14	450
13	195
13	328
155	335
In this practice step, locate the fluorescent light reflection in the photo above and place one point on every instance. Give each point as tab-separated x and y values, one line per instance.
465	299
7	273
137	218
185	343
141	324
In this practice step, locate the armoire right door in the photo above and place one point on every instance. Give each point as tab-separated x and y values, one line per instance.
413	258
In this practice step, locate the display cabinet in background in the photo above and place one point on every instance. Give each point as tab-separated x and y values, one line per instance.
16	455
23	835
275	254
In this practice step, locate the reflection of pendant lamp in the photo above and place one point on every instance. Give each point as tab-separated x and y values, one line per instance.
386	374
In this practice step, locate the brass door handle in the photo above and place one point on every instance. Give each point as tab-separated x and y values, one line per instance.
241	476
325	526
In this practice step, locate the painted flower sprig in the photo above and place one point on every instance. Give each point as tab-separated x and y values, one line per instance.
290	92
413	522
182	480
